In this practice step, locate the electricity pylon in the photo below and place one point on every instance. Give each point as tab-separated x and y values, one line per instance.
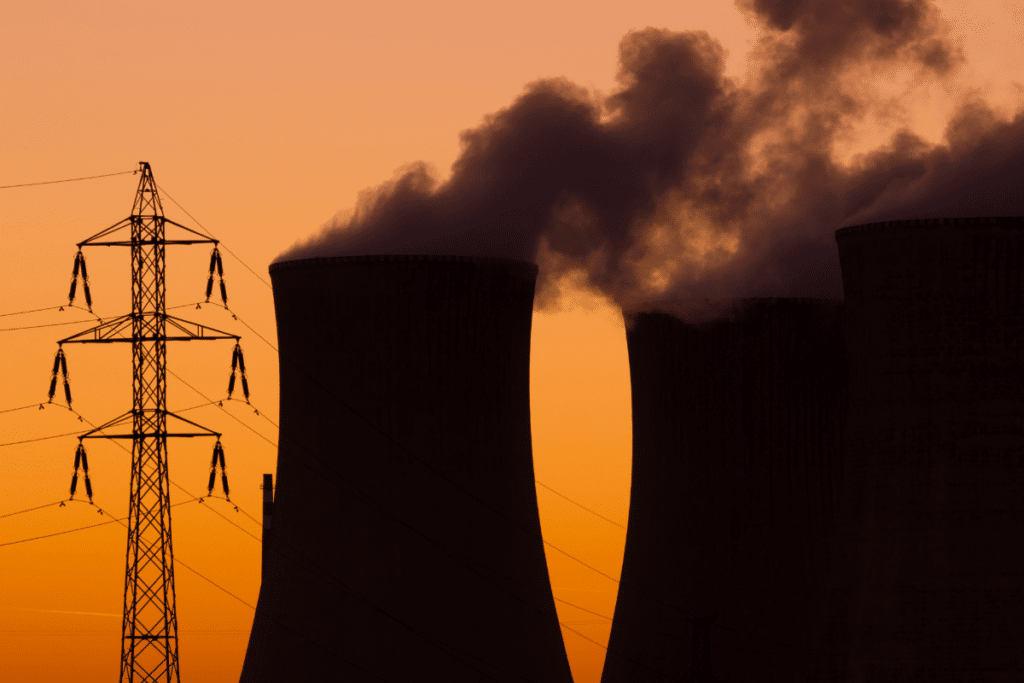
149	629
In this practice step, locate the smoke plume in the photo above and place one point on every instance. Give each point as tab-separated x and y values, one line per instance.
684	184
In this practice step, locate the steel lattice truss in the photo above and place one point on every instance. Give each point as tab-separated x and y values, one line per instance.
149	631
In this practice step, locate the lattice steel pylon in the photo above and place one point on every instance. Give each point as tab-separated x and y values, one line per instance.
149	630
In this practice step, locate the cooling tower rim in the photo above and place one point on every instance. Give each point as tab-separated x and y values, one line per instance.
652	304
936	222
699	311
527	268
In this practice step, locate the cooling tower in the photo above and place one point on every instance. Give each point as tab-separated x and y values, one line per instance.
406	541
737	429
930	584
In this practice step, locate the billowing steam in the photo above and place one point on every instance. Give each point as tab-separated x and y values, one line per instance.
684	184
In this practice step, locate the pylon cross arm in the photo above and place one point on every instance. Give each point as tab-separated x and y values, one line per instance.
104	332
94	241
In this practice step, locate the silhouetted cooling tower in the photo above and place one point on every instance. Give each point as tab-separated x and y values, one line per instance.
737	428
406	542
931	567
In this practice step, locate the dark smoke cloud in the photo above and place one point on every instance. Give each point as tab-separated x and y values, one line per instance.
979	171
684	185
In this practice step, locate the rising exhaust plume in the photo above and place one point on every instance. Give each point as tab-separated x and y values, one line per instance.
684	183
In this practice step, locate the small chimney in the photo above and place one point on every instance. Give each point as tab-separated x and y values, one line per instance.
268	501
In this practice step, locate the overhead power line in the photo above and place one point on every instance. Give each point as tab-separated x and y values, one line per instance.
34	310
58	533
38	507
14	410
81	528
203	228
34	327
72	322
65	180
42	438
580	505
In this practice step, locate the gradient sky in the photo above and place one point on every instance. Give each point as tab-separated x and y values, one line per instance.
263	122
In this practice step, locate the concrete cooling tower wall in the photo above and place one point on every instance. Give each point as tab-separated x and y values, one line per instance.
737	428
406	541
930	579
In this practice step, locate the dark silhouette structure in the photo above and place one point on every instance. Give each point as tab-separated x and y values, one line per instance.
929	580
149	626
737	429
406	541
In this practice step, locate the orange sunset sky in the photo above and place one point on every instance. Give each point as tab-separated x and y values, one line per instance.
263	120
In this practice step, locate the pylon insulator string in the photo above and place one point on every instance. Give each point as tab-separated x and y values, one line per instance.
60	364
213	265
53	375
238	366
81	459
220	274
67	386
218	457
85	282
80	266
216	267
217	451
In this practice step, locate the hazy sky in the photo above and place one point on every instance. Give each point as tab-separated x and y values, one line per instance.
265	122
